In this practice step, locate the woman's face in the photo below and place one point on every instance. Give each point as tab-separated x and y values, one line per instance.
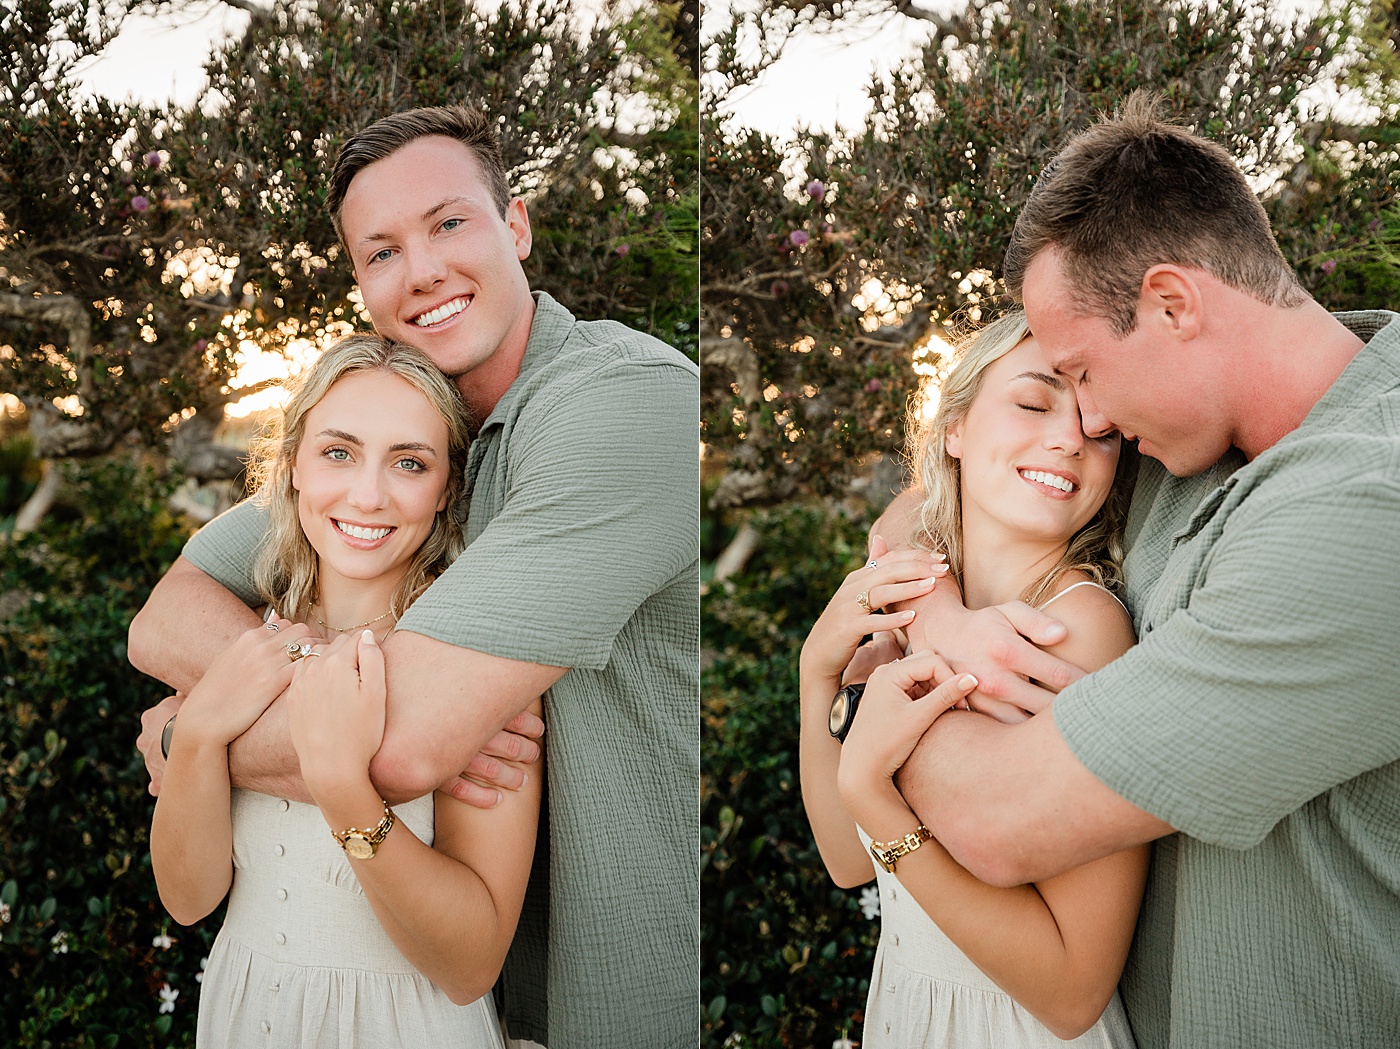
1026	463
371	474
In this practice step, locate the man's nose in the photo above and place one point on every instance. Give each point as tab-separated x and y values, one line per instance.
425	269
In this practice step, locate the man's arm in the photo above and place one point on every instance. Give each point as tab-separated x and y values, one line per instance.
1012	803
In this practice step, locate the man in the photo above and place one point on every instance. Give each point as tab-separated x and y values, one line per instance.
580	581
1258	715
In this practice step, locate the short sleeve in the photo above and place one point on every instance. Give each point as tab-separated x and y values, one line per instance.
1274	681
227	547
600	511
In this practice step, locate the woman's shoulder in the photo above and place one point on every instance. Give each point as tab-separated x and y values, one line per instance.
1100	628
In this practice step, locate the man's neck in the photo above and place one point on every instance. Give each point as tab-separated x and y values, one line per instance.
1295	360
483	387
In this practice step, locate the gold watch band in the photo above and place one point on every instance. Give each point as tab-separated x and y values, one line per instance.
887	853
363	844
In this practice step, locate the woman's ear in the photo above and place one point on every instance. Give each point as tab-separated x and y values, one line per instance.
952	439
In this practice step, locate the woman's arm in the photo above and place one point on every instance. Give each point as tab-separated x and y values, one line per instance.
470	885
828	649
192	829
1057	947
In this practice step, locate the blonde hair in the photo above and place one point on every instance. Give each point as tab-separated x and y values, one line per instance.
286	570
1096	549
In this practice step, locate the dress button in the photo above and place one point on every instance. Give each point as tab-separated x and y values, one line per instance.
281	937
284	804
278	850
281	894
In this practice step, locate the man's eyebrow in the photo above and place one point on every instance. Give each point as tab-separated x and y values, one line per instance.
1049	380
373	238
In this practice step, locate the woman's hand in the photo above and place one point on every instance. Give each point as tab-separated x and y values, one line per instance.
902	699
241	683
336	708
898	576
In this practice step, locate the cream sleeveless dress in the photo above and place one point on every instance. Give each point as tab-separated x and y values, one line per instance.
925	993
303	962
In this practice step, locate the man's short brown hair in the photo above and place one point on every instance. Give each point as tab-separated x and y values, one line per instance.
471	127
1134	191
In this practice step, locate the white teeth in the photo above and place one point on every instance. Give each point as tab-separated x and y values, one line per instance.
1053	480
363	533
437	316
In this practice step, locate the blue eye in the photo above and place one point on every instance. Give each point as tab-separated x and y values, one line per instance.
450	224
339	455
380	256
411	465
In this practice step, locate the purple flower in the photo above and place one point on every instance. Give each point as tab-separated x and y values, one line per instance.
798	237
874	386
816	190
153	159
200	345
622	250
778	288
139	203
1329	265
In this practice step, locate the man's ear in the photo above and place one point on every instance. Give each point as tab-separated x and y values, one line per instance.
518	219
1170	301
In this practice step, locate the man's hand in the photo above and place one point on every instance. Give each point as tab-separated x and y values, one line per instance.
153	721
501	765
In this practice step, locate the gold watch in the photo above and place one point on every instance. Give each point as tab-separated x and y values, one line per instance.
887	853
362	844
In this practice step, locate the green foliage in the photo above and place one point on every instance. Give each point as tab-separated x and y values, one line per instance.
808	371
785	954
79	965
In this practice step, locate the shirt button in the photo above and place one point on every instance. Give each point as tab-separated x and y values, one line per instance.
281	937
267	1027
892	893
284	804
278	850
896	941
274	988
887	1028
281	894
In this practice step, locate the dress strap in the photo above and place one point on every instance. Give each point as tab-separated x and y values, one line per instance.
1083	582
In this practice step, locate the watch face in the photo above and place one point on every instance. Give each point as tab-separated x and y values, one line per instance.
358	848
839	707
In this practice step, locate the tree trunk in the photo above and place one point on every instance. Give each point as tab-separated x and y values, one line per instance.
38	504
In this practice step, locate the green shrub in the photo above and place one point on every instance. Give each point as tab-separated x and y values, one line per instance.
81	911
785	954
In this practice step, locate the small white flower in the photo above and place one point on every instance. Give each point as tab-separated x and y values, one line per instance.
4	913
60	942
203	963
844	1043
734	1041
163	941
870	902
167	998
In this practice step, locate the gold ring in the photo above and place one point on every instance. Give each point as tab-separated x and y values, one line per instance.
863	599
298	650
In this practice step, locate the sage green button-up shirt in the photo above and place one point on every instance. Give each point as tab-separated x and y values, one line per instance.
1260	716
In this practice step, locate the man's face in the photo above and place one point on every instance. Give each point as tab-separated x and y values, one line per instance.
1139	385
438	266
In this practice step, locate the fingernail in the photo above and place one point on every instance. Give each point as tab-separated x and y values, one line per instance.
499	798
967	682
941	568
525	778
907	614
368	635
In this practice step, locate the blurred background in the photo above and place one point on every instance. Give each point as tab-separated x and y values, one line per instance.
862	166
165	261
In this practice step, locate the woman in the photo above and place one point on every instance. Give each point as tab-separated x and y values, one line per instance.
1026	507
343	927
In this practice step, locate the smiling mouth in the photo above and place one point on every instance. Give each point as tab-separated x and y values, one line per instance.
443	312
1055	481
360	532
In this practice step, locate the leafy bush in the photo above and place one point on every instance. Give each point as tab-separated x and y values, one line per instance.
785	954
81	913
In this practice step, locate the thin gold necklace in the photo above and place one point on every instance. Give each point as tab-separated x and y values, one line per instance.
347	629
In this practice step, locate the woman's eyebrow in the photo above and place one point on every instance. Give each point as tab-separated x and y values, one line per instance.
340	435
1049	380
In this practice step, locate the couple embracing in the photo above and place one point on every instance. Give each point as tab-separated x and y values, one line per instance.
479	517
1131	724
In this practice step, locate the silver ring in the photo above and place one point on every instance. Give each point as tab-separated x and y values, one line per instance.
272	626
871	563
863	599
